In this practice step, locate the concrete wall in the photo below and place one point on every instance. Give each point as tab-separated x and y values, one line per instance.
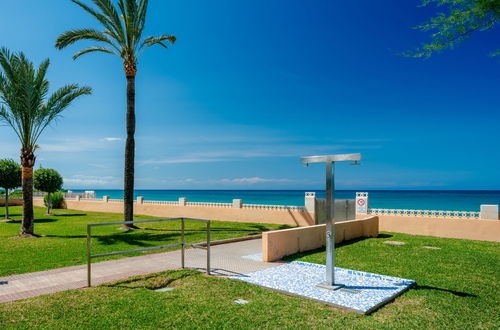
476	229
285	217
279	243
12	202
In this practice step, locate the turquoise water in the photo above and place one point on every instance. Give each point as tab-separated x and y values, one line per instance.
451	200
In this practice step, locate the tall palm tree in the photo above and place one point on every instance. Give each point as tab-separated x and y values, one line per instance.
122	35
26	108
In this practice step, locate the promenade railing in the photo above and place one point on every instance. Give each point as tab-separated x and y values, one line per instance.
182	243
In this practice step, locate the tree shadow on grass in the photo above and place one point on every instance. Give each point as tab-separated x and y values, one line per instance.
70	215
43	220
453	292
148	281
138	239
254	228
135	239
2	215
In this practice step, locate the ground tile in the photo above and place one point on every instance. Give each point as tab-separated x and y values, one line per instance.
362	292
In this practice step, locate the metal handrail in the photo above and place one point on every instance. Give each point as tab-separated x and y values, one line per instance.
182	244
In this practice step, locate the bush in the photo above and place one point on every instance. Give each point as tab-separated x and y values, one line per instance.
57	199
48	180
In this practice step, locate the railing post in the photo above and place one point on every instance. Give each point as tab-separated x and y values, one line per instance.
182	241
89	236
208	247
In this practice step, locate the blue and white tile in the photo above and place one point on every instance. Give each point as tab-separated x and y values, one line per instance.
362	291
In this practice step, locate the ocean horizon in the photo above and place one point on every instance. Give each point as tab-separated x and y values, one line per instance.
449	200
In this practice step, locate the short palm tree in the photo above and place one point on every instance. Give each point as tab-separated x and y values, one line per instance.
25	107
122	35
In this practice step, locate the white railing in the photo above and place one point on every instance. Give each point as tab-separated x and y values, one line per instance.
92	199
273	207
426	213
209	204
161	202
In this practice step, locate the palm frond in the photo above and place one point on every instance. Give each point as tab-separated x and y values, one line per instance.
106	21
123	23
94	49
23	91
160	40
57	103
109	9
70	37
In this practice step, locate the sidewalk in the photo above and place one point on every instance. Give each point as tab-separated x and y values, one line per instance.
226	260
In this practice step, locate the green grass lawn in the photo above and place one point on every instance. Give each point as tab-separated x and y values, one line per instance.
64	241
457	287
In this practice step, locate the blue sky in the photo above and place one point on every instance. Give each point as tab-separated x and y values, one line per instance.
251	86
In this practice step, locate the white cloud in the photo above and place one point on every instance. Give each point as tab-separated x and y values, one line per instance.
91	181
223	154
111	139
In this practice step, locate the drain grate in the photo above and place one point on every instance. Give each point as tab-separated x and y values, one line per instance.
431	247
395	242
164	290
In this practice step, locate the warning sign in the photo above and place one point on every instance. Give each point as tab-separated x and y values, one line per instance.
362	204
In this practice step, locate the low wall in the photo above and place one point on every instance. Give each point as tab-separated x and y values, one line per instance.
475	229
291	217
279	243
12	202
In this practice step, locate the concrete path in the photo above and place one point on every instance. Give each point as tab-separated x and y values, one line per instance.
226	260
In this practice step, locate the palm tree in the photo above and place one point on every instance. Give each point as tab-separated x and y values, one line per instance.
26	108
122	35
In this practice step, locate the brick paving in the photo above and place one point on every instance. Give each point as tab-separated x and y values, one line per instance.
225	261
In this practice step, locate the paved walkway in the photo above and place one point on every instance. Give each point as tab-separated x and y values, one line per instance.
226	260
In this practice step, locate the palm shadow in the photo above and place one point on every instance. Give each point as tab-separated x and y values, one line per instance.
254	228
453	292
2	215
70	215
129	284
139	239
42	220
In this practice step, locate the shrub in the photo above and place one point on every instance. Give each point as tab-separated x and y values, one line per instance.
48	180
56	198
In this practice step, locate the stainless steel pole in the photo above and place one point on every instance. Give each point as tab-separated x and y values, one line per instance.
182	241
330	238
89	241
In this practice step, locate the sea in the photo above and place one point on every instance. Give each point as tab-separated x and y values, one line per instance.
446	200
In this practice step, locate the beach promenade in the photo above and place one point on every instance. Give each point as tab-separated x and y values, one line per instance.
226	260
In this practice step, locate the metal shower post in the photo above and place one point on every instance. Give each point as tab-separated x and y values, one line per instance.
329	160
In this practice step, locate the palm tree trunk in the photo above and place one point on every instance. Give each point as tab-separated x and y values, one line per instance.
129	154
27	226
6	204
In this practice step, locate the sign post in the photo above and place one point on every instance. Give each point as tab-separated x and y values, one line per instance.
329	160
362	202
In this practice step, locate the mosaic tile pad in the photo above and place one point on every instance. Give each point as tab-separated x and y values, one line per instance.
254	257
362	292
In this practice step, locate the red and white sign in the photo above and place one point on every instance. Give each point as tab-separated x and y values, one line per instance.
362	204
